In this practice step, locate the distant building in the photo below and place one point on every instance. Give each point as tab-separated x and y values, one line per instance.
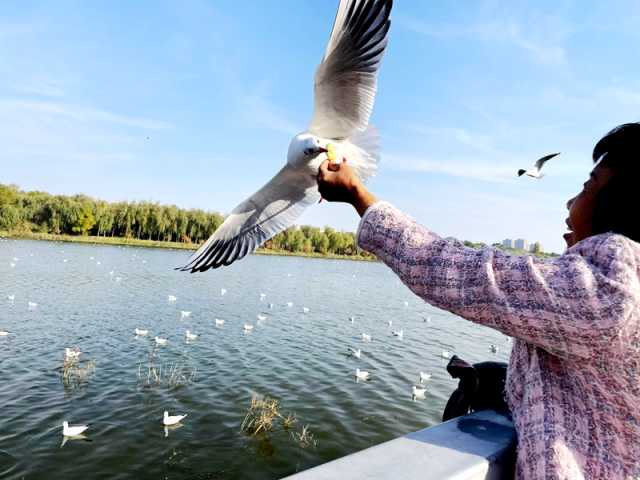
521	244
535	247
507	243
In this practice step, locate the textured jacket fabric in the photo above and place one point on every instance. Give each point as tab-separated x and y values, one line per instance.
573	382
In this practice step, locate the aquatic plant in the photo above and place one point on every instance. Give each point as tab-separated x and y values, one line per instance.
75	373
171	375
263	417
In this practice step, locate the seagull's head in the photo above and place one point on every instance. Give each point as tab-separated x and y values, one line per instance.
304	148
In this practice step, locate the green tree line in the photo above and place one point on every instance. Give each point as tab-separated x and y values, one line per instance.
41	212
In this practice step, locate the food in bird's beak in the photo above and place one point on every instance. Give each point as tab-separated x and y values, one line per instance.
331	152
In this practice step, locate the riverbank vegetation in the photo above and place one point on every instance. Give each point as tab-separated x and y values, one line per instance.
80	218
40	215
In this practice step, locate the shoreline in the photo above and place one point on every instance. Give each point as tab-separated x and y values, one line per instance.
134	242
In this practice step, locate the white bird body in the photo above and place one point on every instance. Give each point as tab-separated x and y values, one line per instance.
535	171
355	352
160	341
11	298
390	322
247	327
12	264
445	354
72	353
172	298
190	336
219	322
345	88
262	296
418	392
424	377
399	333
3	333
261	317
223	291
352	319
33	305
118	279
168	420
366	337
141	332
361	374
270	306
289	304
72	431
305	310
184	314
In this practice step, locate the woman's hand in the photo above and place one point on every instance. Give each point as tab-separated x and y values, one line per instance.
337	182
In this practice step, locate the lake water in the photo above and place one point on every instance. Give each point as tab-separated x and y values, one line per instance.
298	358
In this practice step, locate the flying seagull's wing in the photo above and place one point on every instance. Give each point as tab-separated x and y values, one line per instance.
267	212
541	161
346	80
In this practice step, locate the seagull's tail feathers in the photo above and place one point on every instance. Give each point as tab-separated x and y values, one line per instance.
367	143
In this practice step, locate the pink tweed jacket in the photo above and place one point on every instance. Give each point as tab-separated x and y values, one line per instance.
573	383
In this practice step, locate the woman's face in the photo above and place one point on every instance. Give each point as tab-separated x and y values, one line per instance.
582	206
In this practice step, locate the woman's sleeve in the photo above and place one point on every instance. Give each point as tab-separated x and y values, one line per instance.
574	305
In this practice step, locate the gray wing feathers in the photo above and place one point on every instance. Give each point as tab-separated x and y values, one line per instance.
541	161
346	80
267	212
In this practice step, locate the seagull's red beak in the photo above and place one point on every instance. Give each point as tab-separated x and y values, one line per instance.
322	150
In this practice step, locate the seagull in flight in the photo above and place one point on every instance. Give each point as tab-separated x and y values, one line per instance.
535	170
345	88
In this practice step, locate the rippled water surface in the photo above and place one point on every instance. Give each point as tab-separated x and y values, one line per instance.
299	358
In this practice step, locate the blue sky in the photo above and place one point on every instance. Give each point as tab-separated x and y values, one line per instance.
194	103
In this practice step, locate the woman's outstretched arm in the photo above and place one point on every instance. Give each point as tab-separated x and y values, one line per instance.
574	305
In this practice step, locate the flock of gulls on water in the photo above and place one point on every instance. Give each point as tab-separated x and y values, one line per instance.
72	354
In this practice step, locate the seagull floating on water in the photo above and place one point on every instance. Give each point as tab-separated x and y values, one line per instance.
3	333
261	317
219	322
366	337
11	298
168	420
493	349
352	319
160	341
141	332
390	322
362	375
262	296
345	88
270	306
72	431
289	304
418	392
223	291
445	354
305	310
184	314
534	171
247	327
33	305
71	354
355	352
172	298
399	334
190	336
424	377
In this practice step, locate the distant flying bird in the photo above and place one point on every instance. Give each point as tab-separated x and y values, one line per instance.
345	89
535	170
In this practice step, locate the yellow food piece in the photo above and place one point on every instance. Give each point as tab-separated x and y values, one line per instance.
331	152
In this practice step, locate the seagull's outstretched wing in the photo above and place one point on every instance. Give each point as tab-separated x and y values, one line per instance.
541	161
267	212
346	80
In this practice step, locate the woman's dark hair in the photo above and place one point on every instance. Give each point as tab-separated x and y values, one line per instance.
615	209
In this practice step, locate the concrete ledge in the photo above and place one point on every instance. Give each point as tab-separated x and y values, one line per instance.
477	446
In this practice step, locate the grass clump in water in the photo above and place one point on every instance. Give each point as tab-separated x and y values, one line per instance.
75	374
263	417
172	375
